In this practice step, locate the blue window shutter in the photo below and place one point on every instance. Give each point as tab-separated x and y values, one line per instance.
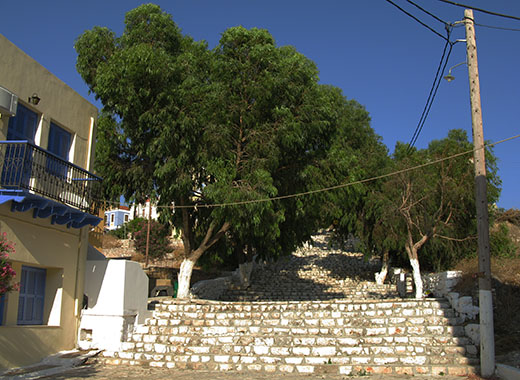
32	296
59	142
23	125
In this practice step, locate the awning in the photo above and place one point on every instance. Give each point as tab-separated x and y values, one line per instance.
44	208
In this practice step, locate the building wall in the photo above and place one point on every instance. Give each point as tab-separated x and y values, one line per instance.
59	103
62	252
119	218
39	243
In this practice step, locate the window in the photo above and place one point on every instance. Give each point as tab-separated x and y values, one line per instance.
32	294
59	144
112	217
126	218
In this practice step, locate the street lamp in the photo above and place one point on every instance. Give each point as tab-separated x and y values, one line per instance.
450	77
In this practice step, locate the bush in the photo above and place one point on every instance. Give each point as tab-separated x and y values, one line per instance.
159	242
6	271
500	244
130	227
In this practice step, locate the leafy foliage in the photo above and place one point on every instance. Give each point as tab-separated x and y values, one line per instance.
243	122
159	244
500	244
6	271
130	227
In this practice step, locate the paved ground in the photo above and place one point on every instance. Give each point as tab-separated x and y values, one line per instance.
100	372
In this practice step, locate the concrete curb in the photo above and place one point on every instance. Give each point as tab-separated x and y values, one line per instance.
506	372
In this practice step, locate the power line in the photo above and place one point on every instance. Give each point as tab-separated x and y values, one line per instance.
433	92
497	27
481	10
416	19
427	12
340	186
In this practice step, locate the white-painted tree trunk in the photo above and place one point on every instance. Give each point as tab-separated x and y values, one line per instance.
381	276
184	278
245	270
417	279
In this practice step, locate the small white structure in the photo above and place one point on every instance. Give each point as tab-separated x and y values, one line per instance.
117	292
143	210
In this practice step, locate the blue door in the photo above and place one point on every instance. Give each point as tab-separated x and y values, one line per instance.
32	295
2	301
17	165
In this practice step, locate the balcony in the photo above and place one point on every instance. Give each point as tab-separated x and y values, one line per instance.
30	169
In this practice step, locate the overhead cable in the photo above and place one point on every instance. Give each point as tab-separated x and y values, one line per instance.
427	12
416	19
497	27
340	186
433	92
481	10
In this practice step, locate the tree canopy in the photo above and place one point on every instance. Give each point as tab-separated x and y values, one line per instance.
243	122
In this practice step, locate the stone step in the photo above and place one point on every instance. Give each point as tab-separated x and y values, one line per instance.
402	365
167	327
340	305
452	344
436	352
412	325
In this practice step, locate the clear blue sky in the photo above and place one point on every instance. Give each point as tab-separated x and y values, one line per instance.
376	54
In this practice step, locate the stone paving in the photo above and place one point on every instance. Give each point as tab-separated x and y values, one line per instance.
100	372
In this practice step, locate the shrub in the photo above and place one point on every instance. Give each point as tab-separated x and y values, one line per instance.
130	227
500	244
6	271
159	242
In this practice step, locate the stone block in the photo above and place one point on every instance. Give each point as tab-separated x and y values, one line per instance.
305	369
324	351
260	350
286	368
404	370
305	351
415	360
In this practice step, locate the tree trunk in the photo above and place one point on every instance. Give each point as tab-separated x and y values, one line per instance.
245	267
191	256
416	271
381	276
184	278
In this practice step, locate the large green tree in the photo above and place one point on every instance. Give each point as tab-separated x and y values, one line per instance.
428	212
242	122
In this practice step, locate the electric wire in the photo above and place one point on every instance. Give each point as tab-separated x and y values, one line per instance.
416	19
481	10
433	92
330	188
497	27
427	12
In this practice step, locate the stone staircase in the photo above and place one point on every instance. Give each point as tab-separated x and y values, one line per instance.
343	325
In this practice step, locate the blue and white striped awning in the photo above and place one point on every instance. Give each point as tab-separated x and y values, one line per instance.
47	208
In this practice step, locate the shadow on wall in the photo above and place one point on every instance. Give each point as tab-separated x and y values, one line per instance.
24	346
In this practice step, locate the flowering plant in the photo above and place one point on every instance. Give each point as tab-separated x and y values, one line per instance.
6	270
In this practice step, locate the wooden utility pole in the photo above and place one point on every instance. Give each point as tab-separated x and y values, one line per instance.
148	230
487	338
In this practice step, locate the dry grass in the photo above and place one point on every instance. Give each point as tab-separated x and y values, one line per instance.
110	241
506	290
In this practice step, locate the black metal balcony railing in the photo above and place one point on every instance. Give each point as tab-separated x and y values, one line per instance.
26	166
